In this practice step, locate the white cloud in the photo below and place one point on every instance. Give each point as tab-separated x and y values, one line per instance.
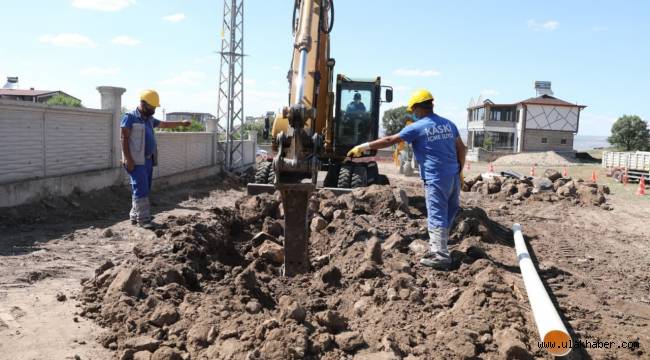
549	25
68	40
125	40
102	5
489	92
174	17
184	78
99	71
416	72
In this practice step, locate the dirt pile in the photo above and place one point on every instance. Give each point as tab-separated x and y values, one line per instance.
209	287
547	158
552	187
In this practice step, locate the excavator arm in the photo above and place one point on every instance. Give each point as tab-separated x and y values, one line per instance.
302	129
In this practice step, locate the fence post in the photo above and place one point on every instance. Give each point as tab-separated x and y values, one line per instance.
111	99
252	136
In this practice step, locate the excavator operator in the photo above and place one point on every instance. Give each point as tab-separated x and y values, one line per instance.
356	106
438	148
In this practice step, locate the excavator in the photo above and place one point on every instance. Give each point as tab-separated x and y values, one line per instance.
326	117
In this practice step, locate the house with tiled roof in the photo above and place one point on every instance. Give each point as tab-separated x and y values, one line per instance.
10	91
541	123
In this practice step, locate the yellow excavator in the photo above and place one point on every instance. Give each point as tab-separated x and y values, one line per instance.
324	119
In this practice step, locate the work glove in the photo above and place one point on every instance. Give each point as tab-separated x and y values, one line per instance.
357	151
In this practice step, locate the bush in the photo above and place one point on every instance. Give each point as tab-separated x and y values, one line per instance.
196	126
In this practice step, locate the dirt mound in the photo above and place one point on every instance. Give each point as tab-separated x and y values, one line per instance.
209	287
548	158
552	188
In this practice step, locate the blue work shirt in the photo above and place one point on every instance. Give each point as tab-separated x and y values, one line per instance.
434	146
149	124
355	107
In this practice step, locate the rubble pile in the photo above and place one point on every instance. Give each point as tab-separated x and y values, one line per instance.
551	187
210	286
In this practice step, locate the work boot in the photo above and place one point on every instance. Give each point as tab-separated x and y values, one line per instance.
149	225
436	261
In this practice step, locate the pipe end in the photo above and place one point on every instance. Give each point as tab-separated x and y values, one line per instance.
557	342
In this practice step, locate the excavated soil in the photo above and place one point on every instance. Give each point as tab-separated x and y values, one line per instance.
208	284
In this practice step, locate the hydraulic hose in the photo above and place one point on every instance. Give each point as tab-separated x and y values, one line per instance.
331	20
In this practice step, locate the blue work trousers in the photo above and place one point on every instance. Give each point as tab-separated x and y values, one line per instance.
443	200
141	179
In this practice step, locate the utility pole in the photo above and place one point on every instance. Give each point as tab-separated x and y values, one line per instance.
231	84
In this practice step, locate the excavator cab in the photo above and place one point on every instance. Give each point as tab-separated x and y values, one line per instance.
356	118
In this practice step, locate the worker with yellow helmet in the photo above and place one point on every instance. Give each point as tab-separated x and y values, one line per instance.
140	154
439	150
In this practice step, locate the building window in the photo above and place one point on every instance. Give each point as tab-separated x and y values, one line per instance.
502	114
544	140
563	141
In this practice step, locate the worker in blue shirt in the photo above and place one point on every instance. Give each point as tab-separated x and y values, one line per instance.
140	154
440	151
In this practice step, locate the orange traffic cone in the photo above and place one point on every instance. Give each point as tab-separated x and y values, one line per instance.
641	190
594	178
532	170
565	173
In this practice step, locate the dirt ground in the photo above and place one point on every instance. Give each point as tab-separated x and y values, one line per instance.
367	298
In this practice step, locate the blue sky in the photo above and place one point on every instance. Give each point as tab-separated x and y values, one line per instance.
595	52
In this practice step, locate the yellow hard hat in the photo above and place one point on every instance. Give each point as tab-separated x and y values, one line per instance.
150	97
418	96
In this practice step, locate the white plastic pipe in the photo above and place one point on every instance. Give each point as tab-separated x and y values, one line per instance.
551	329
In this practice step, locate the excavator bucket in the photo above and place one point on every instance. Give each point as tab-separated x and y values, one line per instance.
295	198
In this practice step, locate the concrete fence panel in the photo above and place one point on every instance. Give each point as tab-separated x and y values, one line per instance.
21	144
40	140
77	141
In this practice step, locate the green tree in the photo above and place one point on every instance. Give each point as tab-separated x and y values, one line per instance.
630	133
394	120
196	126
63	100
256	126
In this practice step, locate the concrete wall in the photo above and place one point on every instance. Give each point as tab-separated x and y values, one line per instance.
40	140
51	150
533	140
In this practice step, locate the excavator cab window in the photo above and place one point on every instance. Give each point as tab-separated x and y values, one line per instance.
355	119
357	114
